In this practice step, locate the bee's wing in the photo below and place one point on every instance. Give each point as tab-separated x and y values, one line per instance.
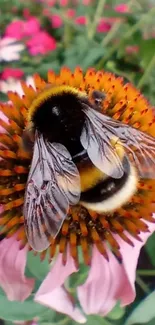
47	199
96	138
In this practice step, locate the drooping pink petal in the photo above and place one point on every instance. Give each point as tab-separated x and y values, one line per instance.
57	275
130	258
111	281
12	266
60	300
52	293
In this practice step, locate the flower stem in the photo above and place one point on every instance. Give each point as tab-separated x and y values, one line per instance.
110	35
149	68
142	284
67	35
146	272
98	13
113	31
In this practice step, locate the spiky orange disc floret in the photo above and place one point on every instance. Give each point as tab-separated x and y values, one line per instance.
81	227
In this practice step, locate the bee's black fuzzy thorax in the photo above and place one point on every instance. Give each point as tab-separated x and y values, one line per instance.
61	119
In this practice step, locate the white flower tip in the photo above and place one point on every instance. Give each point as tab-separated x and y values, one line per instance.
82	320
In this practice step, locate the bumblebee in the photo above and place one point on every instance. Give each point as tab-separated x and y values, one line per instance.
80	156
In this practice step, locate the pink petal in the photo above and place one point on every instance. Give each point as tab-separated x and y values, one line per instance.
130	257
109	282
59	300
52	294
12	266
57	275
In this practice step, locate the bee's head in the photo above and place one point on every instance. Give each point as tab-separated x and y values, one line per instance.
59	117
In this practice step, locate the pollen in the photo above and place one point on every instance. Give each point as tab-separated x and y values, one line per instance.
82	227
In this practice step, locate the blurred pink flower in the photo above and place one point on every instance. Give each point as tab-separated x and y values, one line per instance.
132	49
56	21
107	282
70	13
15	29
87	2
11	72
81	20
51	2
104	25
26	13
122	7
20	28
10	49
63	3
41	43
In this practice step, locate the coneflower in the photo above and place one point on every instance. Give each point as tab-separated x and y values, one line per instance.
110	243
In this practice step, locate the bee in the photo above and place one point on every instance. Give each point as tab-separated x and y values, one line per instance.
80	156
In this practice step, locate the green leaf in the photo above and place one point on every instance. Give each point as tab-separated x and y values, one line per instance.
93	55
150	248
49	316
37	268
117	312
144	312
97	320
147	51
16	311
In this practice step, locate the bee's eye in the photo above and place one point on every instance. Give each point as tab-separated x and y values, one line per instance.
98	97
28	140
98	101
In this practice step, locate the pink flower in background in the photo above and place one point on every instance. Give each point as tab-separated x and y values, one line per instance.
70	13
132	49
41	43
87	2
31	26
15	29
56	21
107	282
104	25
63	3
51	2
81	20
10	49
122	7
26	13
12	73
20	28
47	12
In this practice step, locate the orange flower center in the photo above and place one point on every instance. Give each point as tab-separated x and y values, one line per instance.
82	227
